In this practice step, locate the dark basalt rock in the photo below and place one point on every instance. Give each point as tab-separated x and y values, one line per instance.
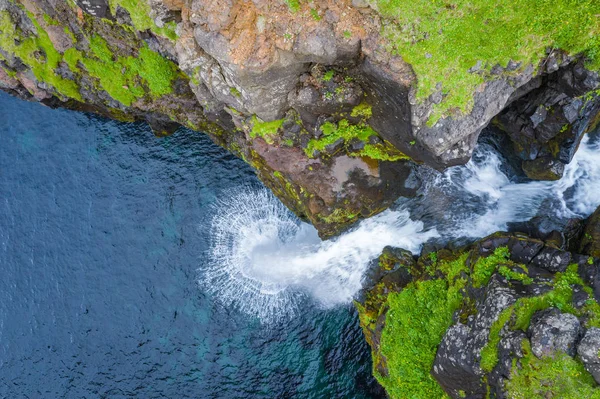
590	241
546	125
553	331
588	351
525	293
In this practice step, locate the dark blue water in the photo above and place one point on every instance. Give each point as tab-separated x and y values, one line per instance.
103	230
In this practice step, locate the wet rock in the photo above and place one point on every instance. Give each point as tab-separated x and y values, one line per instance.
590	241
97	8
553	331
589	352
456	366
552	259
543	169
547	124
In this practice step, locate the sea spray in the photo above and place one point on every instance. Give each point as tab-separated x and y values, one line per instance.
266	262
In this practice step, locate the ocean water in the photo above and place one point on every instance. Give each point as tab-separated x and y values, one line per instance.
105	233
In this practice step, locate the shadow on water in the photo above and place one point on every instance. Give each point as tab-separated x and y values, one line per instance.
102	231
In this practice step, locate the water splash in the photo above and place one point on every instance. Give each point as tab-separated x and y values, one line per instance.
266	262
485	200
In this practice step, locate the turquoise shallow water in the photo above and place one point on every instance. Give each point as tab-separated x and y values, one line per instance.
103	230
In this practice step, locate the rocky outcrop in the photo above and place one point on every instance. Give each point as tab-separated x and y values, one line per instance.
590	242
547	124
316	96
508	317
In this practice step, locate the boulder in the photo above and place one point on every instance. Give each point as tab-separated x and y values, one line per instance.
589	352
552	331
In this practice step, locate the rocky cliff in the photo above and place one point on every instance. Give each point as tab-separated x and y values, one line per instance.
332	102
508	317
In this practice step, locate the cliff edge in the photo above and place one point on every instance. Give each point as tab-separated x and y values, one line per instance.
332	102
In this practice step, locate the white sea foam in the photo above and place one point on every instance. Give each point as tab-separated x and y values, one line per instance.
264	261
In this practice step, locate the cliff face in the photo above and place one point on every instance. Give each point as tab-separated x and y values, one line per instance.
509	317
333	102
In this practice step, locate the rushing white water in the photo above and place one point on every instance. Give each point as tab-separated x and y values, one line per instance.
266	262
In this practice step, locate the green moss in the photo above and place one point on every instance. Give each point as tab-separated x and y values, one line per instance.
158	72
122	77
315	14
339	216
234	91
416	321
293	5
328	75
559	376
125	79
443	40
489	353
38	53
522	311
485	267
362	110
346	131
511	274
266	130
49	20
418	316
140	16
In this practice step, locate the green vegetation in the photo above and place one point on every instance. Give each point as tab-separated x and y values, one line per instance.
443	40
485	267
511	274
328	75
119	76
294	5
417	319
419	315
140	16
550	377
266	130
234	91
38	52
339	215
315	14
346	132
519	315
123	78
362	110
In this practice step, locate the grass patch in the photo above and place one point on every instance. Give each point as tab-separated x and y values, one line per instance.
485	267
38	53
347	132
417	319
559	376
139	11
442	40
266	130
122	77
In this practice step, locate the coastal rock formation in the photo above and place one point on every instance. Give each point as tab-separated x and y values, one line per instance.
507	317
332	102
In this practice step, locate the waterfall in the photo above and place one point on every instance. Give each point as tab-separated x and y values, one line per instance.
267	263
